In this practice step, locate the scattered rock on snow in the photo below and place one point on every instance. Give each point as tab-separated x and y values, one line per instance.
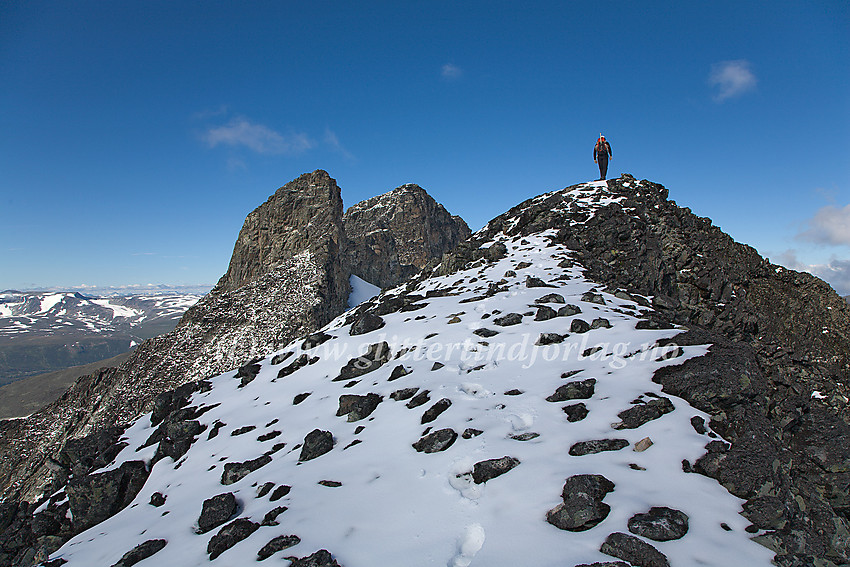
597	446
578	390
435	410
141	552
234	472
639	414
483	471
277	544
582	506
216	511
316	444
230	535
366	323
358	407
660	524
508	320
634	550
437	441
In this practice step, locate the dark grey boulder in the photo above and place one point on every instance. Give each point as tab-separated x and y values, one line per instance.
639	414
597	446
314	340
496	251
270	519
532	281
634	550
296	364
316	444
277	544
96	497
578	390
419	399
600	323
437	441
483	471
216	511
592	297
579	326
508	320
582	507
247	372
403	394
398	372
366	323
575	412
357	407
279	358
375	357
569	310
157	499
551	298
280	492
485	332
549	339
544	313
234	472
230	535
140	552
434	411
660	524
321	558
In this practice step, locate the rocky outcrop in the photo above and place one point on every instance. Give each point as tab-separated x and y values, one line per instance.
776	380
288	275
393	236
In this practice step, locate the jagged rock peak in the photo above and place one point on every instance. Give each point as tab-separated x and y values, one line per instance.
304	214
394	235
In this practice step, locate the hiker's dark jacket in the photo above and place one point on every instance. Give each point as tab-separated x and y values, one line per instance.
602	150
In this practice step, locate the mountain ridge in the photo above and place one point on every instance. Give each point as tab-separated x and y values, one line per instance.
774	391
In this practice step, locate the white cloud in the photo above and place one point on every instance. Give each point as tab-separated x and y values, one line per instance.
333	142
830	225
731	79
451	71
836	273
257	137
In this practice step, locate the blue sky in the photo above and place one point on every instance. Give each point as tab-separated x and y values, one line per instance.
136	136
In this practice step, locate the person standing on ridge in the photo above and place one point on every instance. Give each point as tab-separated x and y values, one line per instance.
601	151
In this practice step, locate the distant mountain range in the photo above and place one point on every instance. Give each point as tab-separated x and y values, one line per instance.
47	331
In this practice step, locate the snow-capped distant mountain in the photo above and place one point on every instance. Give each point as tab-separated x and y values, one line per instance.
504	414
45	331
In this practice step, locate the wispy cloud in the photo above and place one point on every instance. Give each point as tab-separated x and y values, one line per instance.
451	72
257	137
731	79
830	225
332	141
836	272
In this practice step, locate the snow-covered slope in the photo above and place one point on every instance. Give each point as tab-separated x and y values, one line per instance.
453	422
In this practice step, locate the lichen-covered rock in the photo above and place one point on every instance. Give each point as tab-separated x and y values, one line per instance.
216	511
316	444
634	550
230	535
483	471
508	320
357	407
597	446
277	544
434	411
660	524
578	390
234	472
639	414
582	507
437	441
321	558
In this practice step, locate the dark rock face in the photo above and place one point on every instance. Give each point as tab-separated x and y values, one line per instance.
357	407
321	558
579	390
434	411
316	444
597	446
376	356
437	441
634	550
277	544
582	507
639	414
216	511
393	236
140	552
93	498
660	524
483	471
234	472
230	535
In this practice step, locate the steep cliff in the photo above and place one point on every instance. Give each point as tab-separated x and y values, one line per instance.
393	236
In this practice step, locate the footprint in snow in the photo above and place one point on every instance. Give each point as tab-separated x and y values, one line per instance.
470	545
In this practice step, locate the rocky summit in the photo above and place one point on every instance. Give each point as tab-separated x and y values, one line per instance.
288	275
596	377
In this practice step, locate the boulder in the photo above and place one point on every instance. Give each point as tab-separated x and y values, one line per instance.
216	511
